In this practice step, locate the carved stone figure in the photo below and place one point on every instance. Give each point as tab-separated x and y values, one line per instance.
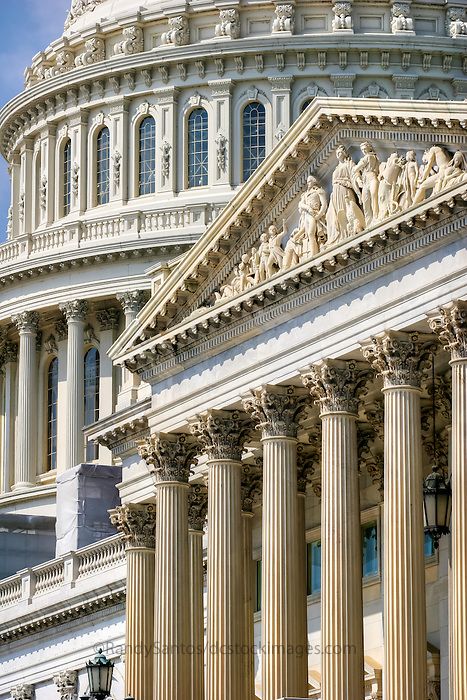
221	142
178	33
133	42
166	148
312	207
229	23
436	159
401	20
293	249
284	20
408	180
344	199
367	170
457	22
455	173
276	252
388	191
94	52
342	16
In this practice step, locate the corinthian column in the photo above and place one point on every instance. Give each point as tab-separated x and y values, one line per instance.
170	456
75	314
451	326
276	410
401	358
132	302
138	523
197	508
222	433
27	323
337	385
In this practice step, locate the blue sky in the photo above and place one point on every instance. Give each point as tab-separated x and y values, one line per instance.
27	26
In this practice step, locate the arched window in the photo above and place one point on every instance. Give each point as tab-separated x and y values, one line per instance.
147	156
306	104
67	177
91	395
52	399
198	148
103	166
254	137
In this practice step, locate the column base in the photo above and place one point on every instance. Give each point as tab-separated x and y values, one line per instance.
23	486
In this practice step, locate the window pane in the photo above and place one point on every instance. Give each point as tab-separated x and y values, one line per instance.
370	549
259	570
52	398
254	137
429	545
91	395
147	156
313	566
306	104
198	148
103	166
67	178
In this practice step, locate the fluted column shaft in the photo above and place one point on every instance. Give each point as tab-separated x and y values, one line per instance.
196	642
75	312
249	637
132	302
302	621
25	453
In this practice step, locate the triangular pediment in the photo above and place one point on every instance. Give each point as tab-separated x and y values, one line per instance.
281	225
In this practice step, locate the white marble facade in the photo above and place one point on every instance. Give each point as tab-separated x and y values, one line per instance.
207	316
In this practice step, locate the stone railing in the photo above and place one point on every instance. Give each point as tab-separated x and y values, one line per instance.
29	584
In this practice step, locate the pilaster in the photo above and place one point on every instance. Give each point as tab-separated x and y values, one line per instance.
281	88
119	152
221	94
15	188
47	193
26	199
78	130
132	302
166	138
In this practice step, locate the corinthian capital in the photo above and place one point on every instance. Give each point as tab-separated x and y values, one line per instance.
137	521
22	691
170	455
197	506
67	685
400	358
221	433
27	322
450	325
337	384
75	310
132	302
276	409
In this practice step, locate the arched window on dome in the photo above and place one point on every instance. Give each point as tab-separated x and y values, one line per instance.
52	404
147	156
66	174
91	395
103	166
306	104
254	137
198	148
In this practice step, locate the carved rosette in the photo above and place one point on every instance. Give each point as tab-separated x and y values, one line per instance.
197	507
75	310
276	409
137	521
252	487
27	322
402	359
170	455
222	434
337	385
132	302
451	328
22	691
67	684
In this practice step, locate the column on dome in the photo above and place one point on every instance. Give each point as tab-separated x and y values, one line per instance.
46	192
221	95
61	338
281	88
138	523
14	170
450	324
119	160
27	323
166	139
26	198
170	456
75	314
78	132
401	358
276	410
222	435
338	385
108	320
10	359
197	509
132	302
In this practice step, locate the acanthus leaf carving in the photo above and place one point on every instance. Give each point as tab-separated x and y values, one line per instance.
169	456
221	433
197	506
450	325
284	20
229	24
67	684
178	33
337	385
137	521
401	358
94	52
132	42
276	409
342	16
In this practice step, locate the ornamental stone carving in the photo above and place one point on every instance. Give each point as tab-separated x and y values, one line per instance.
67	685
117	159
50	345
133	301
170	456
9	352
64	62
221	154
276	409
252	486
108	319
284	20
94	52
137	521
22	691
401	20
197	506
61	329
178	33
133	42
78	8
402	359
229	24
75	310
342	16
457	23
75	179
26	322
305	467
337	385
451	327
221	433
43	192
165	159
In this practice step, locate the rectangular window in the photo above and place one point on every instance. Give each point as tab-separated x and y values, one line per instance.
258	585
313	567
370	550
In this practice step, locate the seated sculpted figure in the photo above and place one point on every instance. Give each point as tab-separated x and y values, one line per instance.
436	160
456	171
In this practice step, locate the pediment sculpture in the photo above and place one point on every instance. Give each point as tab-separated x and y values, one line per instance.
363	194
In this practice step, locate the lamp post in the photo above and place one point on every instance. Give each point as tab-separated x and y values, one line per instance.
100	672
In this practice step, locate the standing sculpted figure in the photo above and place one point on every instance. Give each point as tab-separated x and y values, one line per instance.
344	200
388	192
293	249
276	252
263	256
367	169
436	159
408	180
312	207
